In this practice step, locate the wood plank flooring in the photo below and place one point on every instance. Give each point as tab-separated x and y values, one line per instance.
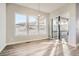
40	48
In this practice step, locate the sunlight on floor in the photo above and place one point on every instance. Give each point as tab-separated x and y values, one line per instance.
66	50
54	48
42	48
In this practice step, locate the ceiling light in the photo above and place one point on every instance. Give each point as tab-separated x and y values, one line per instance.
39	15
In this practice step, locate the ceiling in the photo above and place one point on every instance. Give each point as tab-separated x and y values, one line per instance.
44	7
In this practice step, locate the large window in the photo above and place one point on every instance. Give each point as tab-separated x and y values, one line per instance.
42	25
31	25
21	26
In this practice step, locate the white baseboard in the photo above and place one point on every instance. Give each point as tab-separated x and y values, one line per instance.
2	48
22	41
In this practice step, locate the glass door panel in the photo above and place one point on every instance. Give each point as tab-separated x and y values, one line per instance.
59	28
64	29
55	28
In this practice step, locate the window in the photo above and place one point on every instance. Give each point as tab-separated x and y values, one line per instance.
29	25
33	23
21	28
42	25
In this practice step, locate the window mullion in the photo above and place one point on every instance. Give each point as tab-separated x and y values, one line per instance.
38	24
27	24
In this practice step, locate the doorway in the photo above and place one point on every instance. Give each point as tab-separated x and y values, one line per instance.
59	28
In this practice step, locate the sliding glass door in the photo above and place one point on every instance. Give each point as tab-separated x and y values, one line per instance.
59	28
64	32
55	28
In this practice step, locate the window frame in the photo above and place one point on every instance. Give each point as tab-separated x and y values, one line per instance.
27	25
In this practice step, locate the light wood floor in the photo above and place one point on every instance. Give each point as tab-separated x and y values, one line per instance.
40	48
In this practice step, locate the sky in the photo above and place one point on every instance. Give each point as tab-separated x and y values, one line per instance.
19	18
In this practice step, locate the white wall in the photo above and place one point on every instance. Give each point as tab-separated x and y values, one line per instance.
11	10
2	26
68	11
77	24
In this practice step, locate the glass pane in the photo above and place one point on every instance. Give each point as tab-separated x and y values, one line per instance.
42	25
64	28
33	23
20	21
60	28
55	28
